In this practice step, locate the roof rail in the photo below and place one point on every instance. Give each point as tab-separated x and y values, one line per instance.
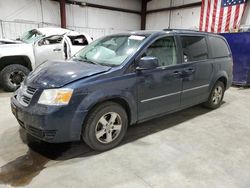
181	30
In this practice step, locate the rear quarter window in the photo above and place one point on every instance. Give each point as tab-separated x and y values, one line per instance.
219	47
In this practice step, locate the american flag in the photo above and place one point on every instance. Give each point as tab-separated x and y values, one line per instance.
220	16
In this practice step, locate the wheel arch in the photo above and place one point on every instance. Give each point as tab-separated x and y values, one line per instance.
19	59
119	100
221	76
223	79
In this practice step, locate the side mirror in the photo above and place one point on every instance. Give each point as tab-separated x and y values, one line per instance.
146	63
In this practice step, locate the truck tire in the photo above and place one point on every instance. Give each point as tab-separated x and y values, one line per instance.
105	127
12	76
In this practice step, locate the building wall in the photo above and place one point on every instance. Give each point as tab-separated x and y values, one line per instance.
186	18
15	18
19	16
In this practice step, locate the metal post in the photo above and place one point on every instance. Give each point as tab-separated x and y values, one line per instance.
63	13
170	14
143	14
1	25
41	5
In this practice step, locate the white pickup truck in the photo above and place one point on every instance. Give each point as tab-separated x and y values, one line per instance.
19	57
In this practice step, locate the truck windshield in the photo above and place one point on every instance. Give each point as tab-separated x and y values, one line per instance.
110	50
31	36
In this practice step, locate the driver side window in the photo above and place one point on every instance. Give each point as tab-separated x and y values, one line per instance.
165	50
55	39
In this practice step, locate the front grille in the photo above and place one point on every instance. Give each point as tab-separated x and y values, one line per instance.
50	134
31	90
36	132
42	134
25	95
26	100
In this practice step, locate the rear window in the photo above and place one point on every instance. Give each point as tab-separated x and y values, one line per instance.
79	40
194	48
219	47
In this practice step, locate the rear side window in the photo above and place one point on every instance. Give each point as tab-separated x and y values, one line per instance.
78	40
194	48
219	47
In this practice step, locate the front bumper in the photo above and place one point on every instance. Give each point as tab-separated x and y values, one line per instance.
48	123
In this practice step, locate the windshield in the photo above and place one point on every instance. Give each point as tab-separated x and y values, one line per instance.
31	36
110	50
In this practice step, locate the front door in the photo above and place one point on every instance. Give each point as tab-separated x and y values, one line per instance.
159	90
197	70
49	48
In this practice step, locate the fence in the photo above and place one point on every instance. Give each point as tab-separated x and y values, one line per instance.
13	29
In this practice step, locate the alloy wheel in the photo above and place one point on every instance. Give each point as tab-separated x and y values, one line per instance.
108	127
217	95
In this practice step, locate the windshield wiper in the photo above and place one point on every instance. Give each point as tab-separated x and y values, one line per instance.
86	60
89	61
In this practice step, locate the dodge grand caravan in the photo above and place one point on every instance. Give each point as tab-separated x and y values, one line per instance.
120	80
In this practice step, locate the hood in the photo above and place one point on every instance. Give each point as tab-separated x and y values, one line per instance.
16	49
55	74
8	41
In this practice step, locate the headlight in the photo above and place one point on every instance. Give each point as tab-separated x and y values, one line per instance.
56	97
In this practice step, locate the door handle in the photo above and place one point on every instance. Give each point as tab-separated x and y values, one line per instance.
176	73
57	50
189	71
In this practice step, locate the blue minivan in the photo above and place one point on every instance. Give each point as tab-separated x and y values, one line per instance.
122	79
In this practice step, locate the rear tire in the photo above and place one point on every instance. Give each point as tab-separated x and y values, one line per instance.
12	76
216	96
105	127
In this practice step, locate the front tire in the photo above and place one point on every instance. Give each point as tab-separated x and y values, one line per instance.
12	76
105	127
216	96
